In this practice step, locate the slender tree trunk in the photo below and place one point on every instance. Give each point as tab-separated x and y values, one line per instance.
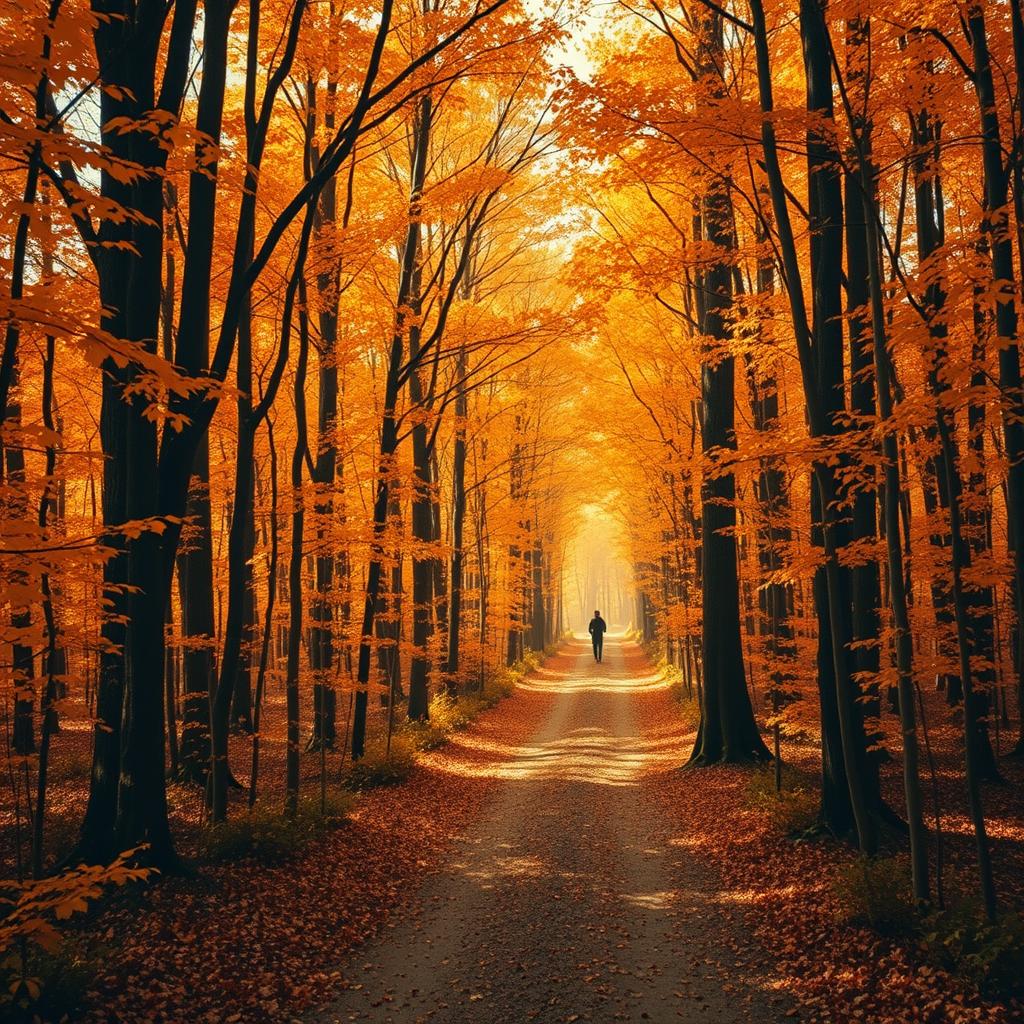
268	638
455	582
321	638
23	738
299	456
422	516
997	232
897	580
195	586
388	447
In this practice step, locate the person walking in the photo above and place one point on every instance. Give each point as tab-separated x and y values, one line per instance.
597	629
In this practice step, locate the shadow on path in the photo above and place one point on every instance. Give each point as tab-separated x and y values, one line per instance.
571	899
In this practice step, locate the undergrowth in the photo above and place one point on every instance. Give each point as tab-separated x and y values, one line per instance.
269	835
988	955
449	712
686	700
985	955
49	986
875	891
382	765
792	810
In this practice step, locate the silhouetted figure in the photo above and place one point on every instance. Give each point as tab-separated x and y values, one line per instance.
597	629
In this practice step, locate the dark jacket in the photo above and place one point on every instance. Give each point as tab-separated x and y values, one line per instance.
597	627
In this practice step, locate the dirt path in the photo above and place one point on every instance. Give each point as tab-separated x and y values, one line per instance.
572	899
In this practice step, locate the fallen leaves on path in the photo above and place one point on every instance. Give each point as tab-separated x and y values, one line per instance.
259	944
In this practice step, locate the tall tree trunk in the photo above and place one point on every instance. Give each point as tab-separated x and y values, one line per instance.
996	229
727	731
299	456
127	802
848	798
865	580
455	582
321	636
861	130
22	659
195	586
537	621
422	516
388	622
773	533
388	443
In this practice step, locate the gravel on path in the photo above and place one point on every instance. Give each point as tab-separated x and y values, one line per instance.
571	899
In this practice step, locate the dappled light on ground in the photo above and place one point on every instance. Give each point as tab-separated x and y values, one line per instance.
588	754
568	900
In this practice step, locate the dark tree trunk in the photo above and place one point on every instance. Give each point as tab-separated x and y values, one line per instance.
774	533
321	636
865	581
127	801
996	229
819	348
195	586
242	695
23	738
898	600
728	731
997	235
537	619
389	439
299	455
455	582
422	515
388	622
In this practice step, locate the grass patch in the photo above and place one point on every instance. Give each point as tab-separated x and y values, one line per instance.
501	682
794	809
686	702
269	836
876	891
450	713
382	767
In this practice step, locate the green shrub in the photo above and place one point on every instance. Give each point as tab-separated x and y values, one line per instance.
53	986
378	767
427	735
529	661
500	686
269	835
448	714
876	891
794	809
987	955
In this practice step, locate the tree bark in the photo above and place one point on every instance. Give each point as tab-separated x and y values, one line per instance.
727	732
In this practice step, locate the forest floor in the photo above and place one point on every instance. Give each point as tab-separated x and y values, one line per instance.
551	863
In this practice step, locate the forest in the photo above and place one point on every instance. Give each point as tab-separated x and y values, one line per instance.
354	352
